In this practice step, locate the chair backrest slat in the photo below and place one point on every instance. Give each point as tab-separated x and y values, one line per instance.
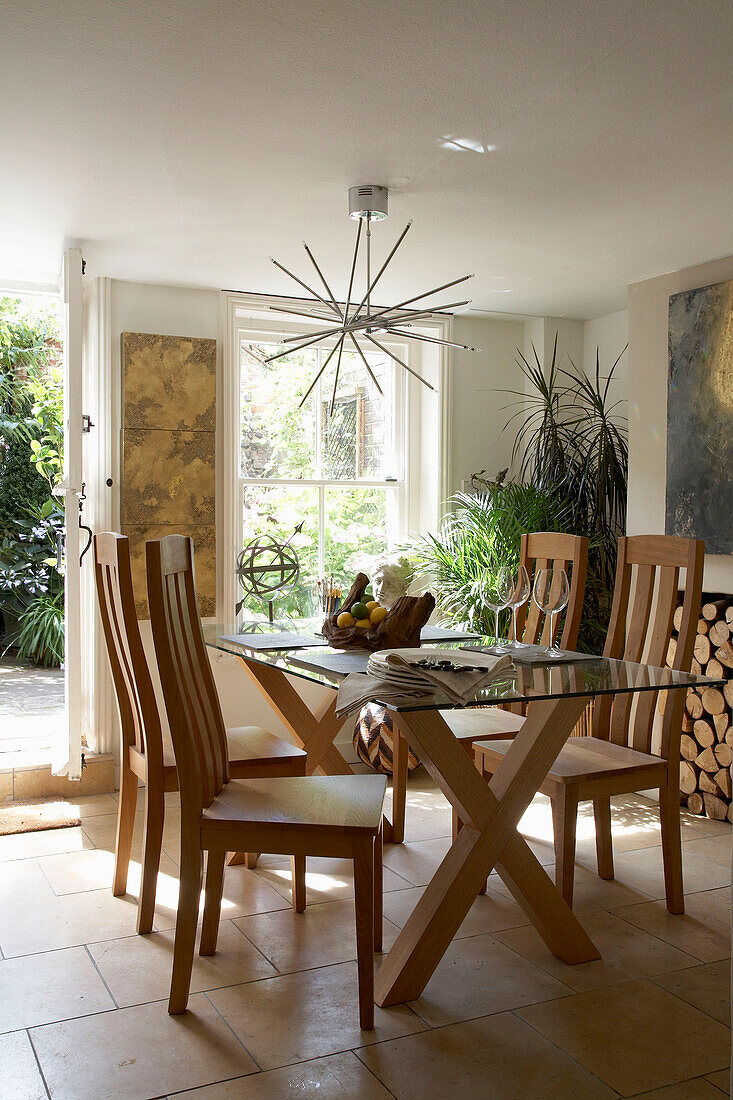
645	598
139	717
553	549
191	699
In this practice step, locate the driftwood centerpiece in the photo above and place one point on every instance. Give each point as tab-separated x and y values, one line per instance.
400	629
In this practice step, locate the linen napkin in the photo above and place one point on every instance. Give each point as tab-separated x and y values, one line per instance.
391	675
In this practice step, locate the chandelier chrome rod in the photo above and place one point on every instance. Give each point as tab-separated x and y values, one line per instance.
366	322
323	280
289	351
302	313
431	340
400	361
365	362
377	277
329	357
384	321
305	286
346	311
435	309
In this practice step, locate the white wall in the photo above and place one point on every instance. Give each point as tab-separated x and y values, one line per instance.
610	335
648	371
478	411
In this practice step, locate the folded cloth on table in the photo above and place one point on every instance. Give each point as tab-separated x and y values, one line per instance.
393	675
358	689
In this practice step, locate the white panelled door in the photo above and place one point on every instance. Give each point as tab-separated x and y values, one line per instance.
67	754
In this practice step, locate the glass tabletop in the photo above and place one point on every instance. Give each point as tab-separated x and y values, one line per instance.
577	675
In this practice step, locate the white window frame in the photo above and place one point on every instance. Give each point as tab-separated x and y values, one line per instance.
421	422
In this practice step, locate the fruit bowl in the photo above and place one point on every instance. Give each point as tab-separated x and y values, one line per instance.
398	629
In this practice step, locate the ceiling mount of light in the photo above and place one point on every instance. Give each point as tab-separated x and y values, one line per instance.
354	322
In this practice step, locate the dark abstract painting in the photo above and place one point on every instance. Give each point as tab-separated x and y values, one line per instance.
700	417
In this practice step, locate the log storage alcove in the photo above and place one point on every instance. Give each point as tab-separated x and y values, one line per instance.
706	746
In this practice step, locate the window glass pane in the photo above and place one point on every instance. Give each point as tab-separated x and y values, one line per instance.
278	439
356	530
274	513
357	440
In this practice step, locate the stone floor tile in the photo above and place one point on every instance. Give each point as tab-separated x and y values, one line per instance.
326	879
93	869
703	930
70	921
497	1056
332	1078
627	953
306	1015
20	1076
697	1089
138	968
479	976
721	1080
706	987
55	985
643	870
322	935
138	1053
42	843
717	848
489	913
634	1036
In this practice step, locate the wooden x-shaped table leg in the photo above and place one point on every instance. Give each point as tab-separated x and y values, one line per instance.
489	839
316	730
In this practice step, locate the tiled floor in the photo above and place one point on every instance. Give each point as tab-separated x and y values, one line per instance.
274	1014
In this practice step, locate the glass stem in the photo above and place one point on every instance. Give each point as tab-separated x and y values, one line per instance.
552	629
496	624
514	617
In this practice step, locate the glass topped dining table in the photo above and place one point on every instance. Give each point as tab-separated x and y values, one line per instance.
559	692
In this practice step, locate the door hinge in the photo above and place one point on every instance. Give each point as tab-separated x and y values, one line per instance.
86	423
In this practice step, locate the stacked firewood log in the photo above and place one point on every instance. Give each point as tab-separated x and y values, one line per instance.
706	746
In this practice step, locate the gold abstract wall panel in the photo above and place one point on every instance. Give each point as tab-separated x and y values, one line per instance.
168	452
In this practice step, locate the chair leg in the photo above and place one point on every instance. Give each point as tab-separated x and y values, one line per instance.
125	825
297	864
564	820
400	756
152	843
378	903
186	919
604	838
669	818
364	906
213	890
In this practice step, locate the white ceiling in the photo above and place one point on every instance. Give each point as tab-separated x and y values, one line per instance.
186	141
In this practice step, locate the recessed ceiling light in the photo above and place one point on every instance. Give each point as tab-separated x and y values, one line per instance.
466	145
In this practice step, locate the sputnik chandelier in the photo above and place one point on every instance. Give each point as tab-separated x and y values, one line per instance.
354	323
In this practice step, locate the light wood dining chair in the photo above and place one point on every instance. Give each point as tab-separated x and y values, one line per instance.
538	550
618	758
147	756
330	815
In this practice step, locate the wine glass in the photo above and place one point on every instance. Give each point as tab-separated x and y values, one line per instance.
519	596
497	589
551	593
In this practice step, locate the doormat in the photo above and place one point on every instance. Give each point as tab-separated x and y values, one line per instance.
37	813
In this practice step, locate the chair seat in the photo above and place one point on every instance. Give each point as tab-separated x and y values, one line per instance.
249	743
582	758
475	722
347	803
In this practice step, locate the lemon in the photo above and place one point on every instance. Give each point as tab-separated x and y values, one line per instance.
377	614
371	605
364	624
345	619
359	611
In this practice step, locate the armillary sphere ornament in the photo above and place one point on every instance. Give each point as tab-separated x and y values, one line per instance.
268	568
350	323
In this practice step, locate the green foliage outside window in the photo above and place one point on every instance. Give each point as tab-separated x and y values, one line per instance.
31	445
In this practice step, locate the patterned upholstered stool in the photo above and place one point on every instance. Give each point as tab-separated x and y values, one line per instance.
373	733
